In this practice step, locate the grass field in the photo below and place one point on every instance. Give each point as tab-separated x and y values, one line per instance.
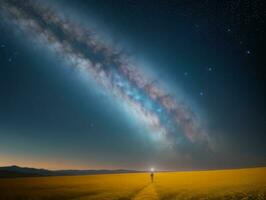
220	184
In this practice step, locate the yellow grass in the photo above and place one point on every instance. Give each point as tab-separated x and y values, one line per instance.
220	184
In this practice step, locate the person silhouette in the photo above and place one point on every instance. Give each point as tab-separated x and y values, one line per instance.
152	175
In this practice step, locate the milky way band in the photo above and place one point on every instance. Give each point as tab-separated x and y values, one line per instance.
110	68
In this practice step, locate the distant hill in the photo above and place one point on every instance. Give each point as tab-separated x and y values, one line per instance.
16	171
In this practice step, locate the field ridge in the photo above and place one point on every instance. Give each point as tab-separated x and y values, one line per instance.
149	193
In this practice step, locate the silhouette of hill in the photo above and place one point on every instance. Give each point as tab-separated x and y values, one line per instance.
16	171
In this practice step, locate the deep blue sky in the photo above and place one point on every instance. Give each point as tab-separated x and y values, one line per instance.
208	53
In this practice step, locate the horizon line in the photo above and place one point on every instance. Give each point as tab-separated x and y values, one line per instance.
135	170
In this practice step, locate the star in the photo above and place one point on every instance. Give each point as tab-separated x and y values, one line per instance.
201	93
209	69
228	30
10	59
159	110
137	97
248	52
185	73
2	45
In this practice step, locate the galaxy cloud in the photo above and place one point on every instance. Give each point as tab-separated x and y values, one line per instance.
112	69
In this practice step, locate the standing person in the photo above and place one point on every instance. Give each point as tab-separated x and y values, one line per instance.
152	175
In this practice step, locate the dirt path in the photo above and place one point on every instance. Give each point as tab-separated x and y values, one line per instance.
148	193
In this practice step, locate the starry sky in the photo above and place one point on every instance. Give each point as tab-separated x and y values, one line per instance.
174	85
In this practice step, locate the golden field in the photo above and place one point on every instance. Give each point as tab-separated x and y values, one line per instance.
221	184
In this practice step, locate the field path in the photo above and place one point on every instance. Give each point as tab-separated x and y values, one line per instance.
147	193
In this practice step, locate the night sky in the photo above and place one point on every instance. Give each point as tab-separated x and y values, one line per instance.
174	85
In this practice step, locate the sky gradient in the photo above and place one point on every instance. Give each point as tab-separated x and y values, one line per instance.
125	84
